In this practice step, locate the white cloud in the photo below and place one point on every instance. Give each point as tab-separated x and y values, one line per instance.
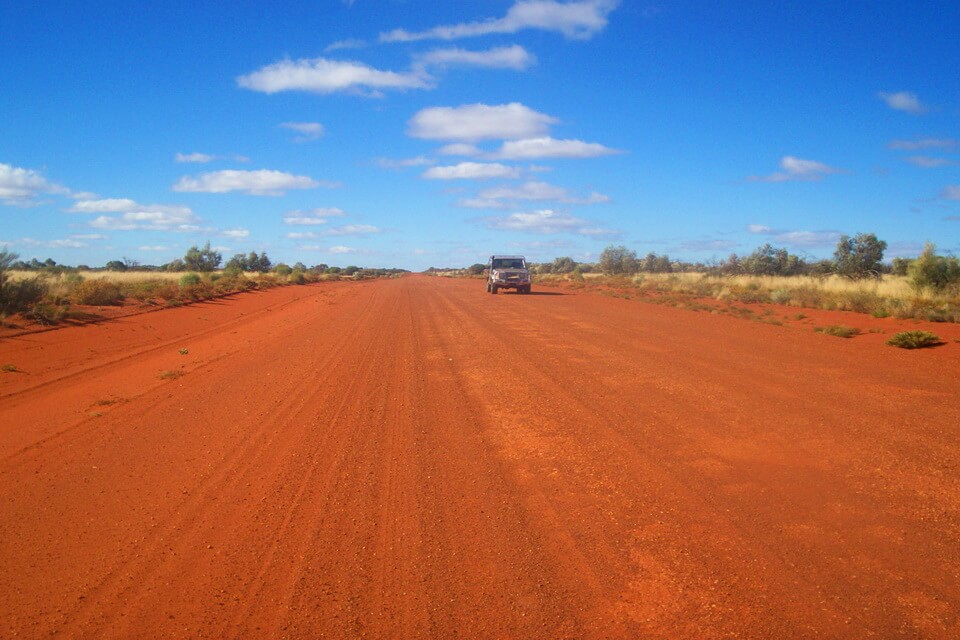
106	205
194	157
501	197
579	20
345	230
313	216
341	249
135	216
459	149
473	122
513	57
472	171
203	158
348	43
951	192
88	236
546	221
264	182
928	162
236	233
825	238
154	247
546	147
903	101
923	143
321	75
19	187
419	161
352	230
309	131
797	169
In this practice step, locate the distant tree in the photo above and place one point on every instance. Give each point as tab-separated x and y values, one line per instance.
618	260
131	264
282	269
116	265
175	265
202	259
263	263
564	264
237	263
859	257
350	270
476	269
299	266
930	271
900	266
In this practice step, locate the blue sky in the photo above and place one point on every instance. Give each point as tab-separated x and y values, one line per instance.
410	133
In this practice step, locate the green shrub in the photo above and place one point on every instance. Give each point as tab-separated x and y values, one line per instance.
297	277
189	280
930	271
97	293
838	330
913	339
21	295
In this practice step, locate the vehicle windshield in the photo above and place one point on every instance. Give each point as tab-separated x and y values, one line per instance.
508	263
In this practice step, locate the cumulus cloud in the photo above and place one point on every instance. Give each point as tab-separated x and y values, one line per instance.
546	221
951	192
513	57
134	216
339	249
503	197
348	43
153	247
309	131
797	169
264	182
923	143
546	147
403	163
203	158
473	122
19	187
903	101
579	20
312	216
472	171
68	243
929	162
320	75
235	233
345	230
826	238
459	149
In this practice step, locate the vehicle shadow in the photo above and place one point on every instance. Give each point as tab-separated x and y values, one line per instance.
545	293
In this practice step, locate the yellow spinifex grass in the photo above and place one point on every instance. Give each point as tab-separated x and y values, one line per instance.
887	296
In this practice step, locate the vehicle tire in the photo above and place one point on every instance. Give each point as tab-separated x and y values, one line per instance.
528	288
488	286
493	289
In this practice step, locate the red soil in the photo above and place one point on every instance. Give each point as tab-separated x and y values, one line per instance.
417	458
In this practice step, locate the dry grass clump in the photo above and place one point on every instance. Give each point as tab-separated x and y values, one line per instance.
885	297
838	330
100	292
914	339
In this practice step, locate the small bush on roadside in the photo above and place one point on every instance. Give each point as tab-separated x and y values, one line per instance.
96	293
297	277
189	280
46	314
838	330
913	339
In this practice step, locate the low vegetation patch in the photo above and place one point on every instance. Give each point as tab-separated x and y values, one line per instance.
9	368
99	293
914	339
171	375
838	330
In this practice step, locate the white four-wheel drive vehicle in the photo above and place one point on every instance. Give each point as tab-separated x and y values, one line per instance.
508	272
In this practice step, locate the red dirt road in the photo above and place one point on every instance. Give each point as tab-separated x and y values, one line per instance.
416	458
